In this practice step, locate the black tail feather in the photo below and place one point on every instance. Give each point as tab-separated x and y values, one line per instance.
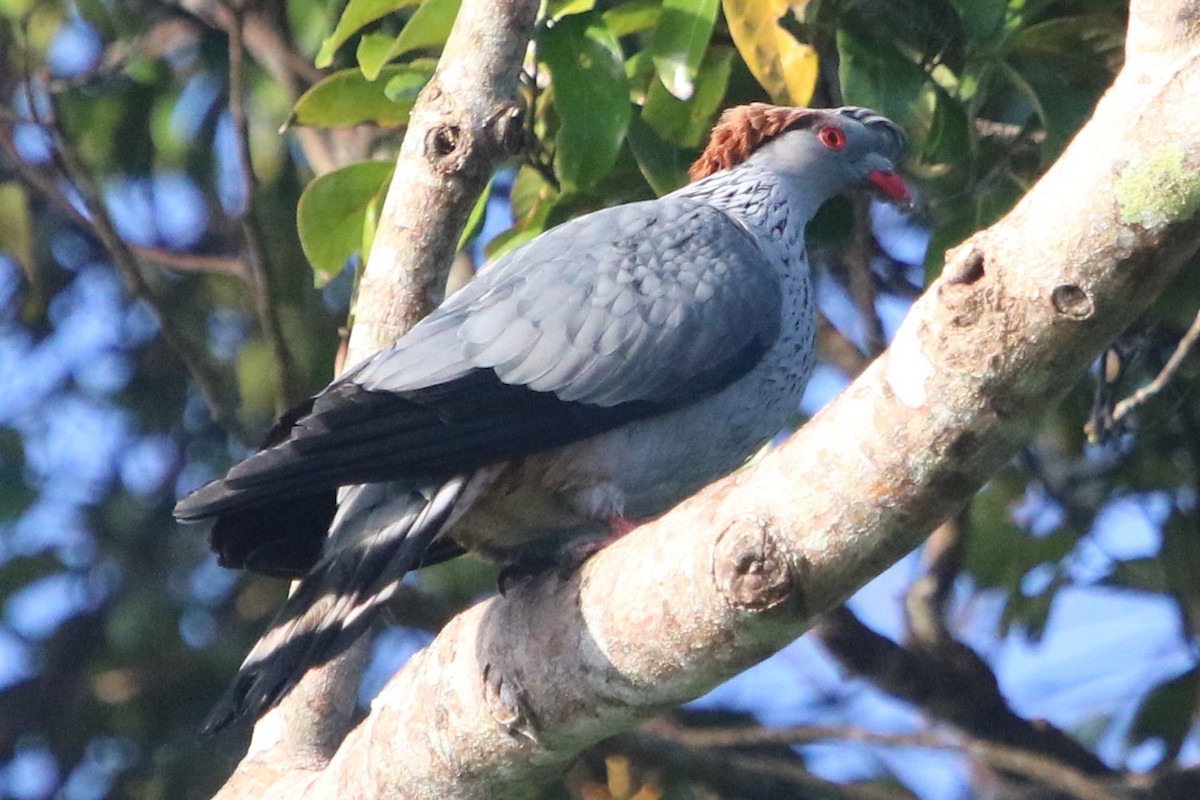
340	598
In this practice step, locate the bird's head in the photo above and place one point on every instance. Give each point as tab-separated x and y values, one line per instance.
821	151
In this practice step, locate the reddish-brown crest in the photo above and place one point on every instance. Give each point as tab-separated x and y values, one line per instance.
742	130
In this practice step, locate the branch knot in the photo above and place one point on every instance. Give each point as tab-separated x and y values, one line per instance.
750	569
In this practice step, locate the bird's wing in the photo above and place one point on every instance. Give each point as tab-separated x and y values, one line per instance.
615	316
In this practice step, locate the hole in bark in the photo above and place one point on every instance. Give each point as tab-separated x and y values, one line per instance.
963	446
507	128
966	270
443	140
1071	301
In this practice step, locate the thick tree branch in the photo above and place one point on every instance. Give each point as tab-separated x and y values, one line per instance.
515	687
462	126
951	683
466	121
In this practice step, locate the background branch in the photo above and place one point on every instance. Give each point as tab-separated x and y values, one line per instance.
715	745
951	683
217	391
286	382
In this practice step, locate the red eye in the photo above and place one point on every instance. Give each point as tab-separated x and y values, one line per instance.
831	137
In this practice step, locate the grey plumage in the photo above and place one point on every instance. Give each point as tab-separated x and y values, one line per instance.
609	367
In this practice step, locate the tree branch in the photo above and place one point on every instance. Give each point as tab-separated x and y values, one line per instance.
285	382
514	688
712	746
951	683
215	388
926	600
1160	381
860	278
463	124
733	761
466	121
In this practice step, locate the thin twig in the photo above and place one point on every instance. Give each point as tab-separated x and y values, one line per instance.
1028	763
49	190
836	348
274	51
283	376
1164	376
220	397
192	262
925	601
862	283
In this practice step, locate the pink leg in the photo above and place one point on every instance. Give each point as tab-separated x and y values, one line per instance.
618	526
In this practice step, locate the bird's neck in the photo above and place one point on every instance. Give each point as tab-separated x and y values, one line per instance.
760	200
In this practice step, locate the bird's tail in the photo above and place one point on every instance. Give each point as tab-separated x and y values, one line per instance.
380	533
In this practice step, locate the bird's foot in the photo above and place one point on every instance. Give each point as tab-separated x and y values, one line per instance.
581	551
509	705
520	571
563	562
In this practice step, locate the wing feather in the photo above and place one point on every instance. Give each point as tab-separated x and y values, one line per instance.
615	316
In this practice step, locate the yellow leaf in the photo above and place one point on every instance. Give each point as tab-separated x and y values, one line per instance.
620	781
15	236
799	64
786	68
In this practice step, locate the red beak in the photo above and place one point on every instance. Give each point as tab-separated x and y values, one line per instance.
891	184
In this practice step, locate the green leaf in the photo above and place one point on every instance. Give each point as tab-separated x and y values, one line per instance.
428	27
687	123
403	87
680	41
475	219
633	17
1146	574
1166	713
1074	39
21	572
877	75
661	163
373	53
332	214
557	9
347	98
357	14
532	199
591	97
982	20
530	188
948	140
